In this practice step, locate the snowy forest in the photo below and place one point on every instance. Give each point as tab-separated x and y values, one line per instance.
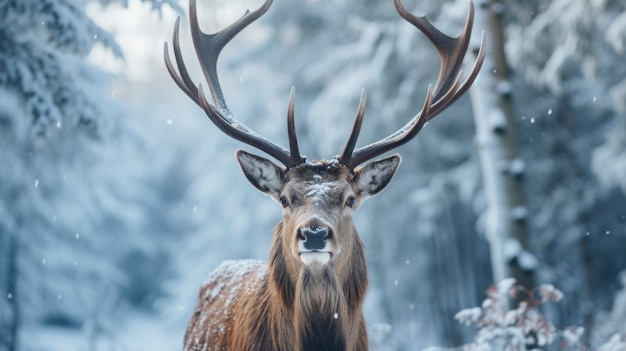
504	228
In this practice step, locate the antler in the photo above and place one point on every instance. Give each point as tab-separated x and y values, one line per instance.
208	48
447	89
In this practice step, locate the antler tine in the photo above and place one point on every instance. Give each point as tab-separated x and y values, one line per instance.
451	50
183	80
296	158
356	129
447	89
394	140
208	48
461	89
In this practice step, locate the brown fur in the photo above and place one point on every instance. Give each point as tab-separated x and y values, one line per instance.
284	304
274	311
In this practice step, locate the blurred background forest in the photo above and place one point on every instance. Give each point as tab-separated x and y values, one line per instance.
118	196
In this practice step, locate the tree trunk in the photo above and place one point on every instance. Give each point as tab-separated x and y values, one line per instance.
505	217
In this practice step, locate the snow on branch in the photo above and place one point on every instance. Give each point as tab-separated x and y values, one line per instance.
501	326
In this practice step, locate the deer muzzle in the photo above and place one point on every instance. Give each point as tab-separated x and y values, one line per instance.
314	245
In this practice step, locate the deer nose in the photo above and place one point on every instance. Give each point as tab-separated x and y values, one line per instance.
314	238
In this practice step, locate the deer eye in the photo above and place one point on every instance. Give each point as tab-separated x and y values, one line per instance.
283	201
350	201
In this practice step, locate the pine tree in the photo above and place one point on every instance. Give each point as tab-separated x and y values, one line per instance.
56	119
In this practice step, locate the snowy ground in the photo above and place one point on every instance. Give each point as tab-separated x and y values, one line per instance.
141	332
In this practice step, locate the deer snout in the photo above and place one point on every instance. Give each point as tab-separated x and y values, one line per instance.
314	238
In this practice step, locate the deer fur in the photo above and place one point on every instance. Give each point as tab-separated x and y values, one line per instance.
285	304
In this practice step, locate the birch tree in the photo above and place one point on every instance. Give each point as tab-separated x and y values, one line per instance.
505	221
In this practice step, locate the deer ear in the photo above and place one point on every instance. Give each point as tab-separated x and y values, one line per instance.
261	172
374	176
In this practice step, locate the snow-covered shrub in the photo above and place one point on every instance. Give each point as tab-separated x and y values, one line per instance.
510	319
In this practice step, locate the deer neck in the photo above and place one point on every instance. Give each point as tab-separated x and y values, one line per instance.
320	310
320	302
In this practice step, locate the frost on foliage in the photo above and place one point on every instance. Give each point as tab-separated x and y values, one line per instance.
565	35
501	327
59	24
81	219
43	44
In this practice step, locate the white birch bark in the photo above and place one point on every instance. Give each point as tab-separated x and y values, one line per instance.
505	217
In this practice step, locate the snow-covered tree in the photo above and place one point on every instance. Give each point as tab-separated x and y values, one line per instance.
48	109
64	206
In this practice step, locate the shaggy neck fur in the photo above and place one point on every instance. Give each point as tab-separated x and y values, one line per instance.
322	303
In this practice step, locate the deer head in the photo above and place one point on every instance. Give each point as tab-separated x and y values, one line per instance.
316	244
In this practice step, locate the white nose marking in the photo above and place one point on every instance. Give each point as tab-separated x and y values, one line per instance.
315	257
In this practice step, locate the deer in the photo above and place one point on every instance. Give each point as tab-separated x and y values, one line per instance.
309	294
